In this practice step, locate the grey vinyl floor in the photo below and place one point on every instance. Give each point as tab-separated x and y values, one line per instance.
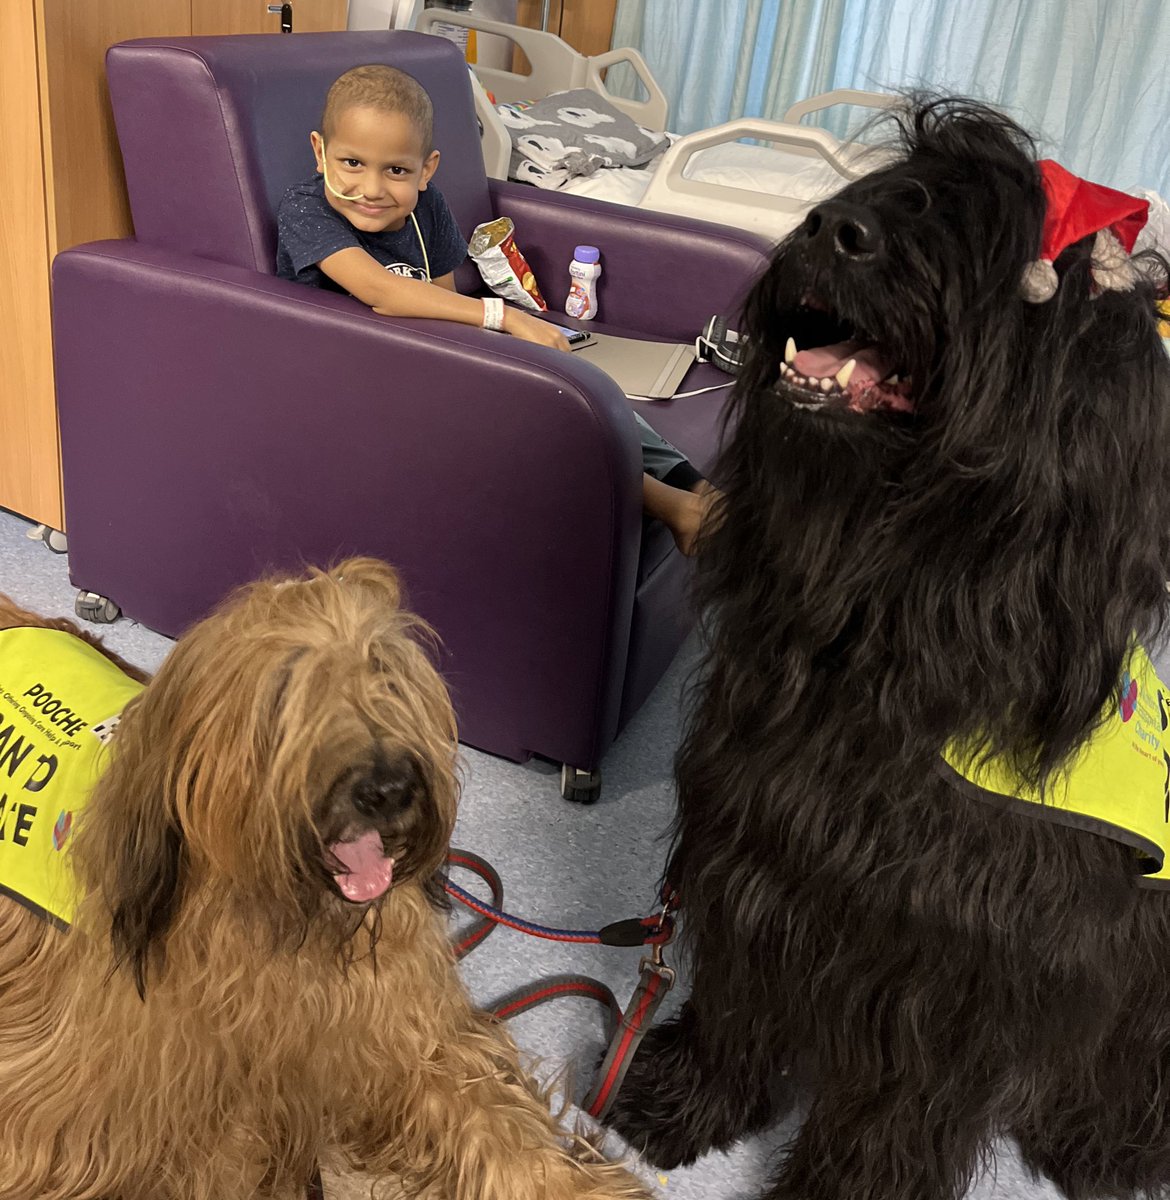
563	864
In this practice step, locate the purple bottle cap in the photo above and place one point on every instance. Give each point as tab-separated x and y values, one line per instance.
586	254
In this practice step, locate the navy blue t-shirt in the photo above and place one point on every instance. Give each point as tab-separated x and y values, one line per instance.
309	230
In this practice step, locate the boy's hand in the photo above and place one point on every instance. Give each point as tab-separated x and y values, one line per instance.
531	329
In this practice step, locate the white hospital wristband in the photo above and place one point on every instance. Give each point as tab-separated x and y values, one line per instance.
493	314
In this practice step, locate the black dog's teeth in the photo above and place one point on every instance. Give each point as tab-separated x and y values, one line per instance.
827	385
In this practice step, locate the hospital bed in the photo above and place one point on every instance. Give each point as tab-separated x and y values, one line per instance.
712	174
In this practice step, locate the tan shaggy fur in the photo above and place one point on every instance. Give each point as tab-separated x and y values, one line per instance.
219	1019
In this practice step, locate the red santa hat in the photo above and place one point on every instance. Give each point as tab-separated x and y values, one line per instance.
1077	208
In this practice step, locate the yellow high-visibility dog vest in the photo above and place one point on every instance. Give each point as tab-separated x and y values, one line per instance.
60	700
1117	786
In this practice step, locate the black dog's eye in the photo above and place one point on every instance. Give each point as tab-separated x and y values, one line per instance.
913	197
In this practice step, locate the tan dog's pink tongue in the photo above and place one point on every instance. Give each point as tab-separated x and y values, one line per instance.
821	361
368	872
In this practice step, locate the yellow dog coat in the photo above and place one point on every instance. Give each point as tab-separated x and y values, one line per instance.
1117	786
59	702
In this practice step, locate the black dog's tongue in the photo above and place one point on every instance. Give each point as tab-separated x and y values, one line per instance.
865	383
820	362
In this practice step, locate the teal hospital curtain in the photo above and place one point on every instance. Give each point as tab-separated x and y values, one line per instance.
1091	78
737	58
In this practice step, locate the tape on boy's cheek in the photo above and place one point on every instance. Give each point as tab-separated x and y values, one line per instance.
332	189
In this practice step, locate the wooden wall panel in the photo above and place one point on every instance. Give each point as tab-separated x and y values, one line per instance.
29	478
87	192
87	189
587	25
252	16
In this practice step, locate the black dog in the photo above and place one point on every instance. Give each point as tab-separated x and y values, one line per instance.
954	549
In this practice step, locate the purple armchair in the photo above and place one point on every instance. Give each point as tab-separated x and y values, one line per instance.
217	422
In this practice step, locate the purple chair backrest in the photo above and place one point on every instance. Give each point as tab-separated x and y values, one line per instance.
214	129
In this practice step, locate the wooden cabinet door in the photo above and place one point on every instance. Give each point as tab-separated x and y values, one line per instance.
29	475
587	25
87	192
253	16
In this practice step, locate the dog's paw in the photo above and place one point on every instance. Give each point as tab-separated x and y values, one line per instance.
673	1109
649	1109
659	1144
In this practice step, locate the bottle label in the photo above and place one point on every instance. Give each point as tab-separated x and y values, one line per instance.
577	305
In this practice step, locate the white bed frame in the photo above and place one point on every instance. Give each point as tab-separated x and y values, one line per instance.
557	67
769	213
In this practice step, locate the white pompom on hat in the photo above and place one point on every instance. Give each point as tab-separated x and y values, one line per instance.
1075	209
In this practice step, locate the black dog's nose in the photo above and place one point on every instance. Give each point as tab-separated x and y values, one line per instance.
844	229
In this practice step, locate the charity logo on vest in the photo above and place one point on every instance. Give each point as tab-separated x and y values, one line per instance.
62	829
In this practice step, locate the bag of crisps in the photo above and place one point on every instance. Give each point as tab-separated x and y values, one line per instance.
504	269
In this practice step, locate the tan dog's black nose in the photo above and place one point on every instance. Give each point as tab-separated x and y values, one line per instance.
386	790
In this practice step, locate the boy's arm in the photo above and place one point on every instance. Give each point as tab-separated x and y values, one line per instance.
392	295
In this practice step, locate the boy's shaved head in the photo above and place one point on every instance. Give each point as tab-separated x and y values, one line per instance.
385	89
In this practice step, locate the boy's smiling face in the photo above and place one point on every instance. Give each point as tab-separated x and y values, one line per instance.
379	155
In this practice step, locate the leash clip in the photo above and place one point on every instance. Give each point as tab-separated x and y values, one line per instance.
666	922
655	966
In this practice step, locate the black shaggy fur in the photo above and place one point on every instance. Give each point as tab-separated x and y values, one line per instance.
941	971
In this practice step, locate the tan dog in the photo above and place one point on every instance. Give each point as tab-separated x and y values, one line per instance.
257	977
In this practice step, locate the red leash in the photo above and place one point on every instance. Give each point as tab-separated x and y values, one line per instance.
626	1029
654	930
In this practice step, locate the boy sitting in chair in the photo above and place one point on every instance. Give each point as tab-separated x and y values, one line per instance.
369	223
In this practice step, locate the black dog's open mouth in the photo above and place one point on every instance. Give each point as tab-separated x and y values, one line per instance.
831	363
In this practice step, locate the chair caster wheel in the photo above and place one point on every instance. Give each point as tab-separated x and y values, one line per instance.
53	538
89	606
581	787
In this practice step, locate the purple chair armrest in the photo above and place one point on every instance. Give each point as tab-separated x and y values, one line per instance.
271	424
662	275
